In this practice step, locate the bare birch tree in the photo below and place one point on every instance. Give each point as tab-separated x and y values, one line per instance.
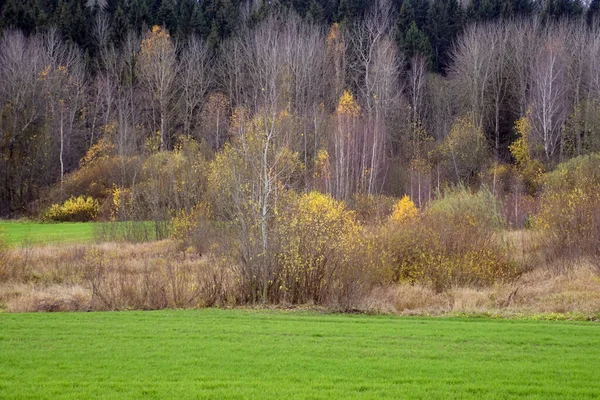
157	68
549	94
194	81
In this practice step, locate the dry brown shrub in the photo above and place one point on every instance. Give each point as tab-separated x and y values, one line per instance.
5	270
164	280
34	298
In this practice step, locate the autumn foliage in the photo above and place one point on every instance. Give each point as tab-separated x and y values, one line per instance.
75	209
452	243
568	223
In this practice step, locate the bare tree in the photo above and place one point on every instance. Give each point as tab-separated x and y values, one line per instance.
499	83
305	79
524	42
549	93
578	39
471	71
195	80
64	84
22	160
157	68
101	29
375	68
417	88
259	76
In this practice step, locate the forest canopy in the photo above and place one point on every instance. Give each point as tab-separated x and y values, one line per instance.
347	97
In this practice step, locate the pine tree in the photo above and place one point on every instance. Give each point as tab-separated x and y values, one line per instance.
555	10
420	10
490	10
416	43
315	12
24	15
406	17
593	13
120	26
444	21
166	16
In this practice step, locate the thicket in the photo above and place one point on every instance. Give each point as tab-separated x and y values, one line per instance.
451	243
388	146
568	223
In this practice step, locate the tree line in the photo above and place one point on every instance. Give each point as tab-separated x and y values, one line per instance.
390	100
422	26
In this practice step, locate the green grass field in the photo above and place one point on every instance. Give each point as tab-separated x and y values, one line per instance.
20	233
224	354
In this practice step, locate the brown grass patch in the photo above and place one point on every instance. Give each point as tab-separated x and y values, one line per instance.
537	291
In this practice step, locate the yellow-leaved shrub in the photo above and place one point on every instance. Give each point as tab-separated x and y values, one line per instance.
323	255
529	168
568	223
75	209
192	229
453	242
404	210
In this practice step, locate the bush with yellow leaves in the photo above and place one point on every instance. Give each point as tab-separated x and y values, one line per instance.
323	256
404	210
451	243
530	169
76	209
193	229
569	219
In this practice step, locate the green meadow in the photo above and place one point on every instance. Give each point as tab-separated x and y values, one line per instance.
18	233
23	233
240	354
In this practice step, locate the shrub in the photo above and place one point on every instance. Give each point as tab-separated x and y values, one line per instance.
453	242
371	208
529	168
404	210
323	257
569	219
465	149
101	169
76	209
4	262
461	207
193	229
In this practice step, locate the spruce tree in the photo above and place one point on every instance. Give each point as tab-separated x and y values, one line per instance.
593	13
416	43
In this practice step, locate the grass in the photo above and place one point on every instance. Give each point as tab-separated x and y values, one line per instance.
235	354
20	233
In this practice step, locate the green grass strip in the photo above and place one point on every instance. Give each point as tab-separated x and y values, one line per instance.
224	354
25	233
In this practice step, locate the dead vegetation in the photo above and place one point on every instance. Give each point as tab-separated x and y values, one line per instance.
158	275
538	291
112	277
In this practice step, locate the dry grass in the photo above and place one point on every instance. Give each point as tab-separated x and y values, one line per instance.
158	275
538	291
112	277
